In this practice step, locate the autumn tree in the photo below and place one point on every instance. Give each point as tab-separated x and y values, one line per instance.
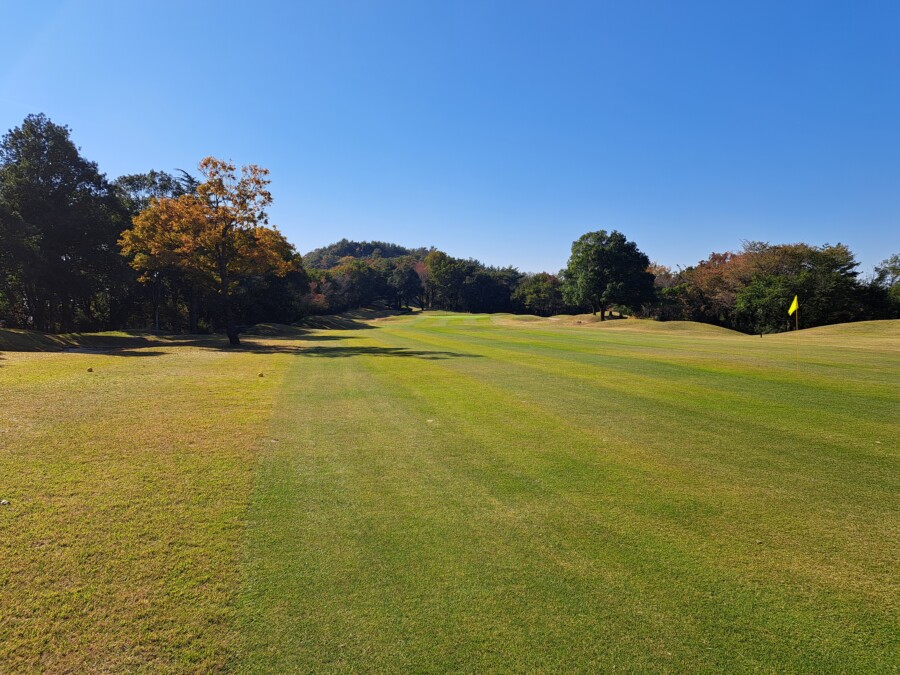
219	234
172	283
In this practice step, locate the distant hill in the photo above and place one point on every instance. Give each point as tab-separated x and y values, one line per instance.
329	256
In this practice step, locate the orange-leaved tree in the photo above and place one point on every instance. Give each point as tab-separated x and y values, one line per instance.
219	235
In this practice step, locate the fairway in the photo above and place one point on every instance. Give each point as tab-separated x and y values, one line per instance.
440	491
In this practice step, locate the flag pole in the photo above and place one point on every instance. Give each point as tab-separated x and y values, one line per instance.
797	331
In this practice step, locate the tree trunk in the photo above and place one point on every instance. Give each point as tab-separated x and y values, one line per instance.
157	299
230	328
192	311
602	312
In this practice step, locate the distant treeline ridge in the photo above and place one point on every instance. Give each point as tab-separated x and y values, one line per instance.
176	252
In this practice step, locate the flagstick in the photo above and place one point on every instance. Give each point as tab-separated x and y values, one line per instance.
797	330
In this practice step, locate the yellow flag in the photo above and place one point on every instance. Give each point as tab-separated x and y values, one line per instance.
794	306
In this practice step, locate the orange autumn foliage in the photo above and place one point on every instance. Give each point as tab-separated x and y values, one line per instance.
219	235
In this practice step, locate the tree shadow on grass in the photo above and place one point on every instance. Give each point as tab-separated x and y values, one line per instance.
144	344
136	344
346	352
328	338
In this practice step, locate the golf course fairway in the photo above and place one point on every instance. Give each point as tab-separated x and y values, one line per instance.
452	492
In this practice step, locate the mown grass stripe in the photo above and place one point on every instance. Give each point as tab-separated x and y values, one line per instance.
592	533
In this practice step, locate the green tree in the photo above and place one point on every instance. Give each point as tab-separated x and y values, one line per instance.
405	284
360	282
606	269
887	276
541	294
824	278
444	280
60	220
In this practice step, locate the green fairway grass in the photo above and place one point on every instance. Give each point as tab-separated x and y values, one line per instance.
437	491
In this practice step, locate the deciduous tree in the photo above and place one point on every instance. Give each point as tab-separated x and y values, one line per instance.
220	233
606	269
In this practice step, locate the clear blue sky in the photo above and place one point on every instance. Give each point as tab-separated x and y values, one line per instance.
495	130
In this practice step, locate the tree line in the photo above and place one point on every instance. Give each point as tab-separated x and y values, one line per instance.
194	252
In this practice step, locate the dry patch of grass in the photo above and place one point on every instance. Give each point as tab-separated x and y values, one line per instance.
128	487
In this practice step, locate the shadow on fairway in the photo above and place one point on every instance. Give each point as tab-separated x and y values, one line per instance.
346	352
136	344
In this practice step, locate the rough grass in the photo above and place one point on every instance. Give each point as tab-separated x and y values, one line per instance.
128	489
456	492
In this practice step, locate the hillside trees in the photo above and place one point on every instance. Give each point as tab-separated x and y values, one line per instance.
748	290
220	234
328	257
825	277
606	269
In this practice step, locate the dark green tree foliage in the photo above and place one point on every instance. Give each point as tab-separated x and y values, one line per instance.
887	278
272	299
488	289
405	284
18	246
467	285
824	277
358	283
540	294
62	269
443	283
330	256
606	269
137	189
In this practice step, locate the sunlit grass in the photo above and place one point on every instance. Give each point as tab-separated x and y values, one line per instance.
634	495
454	492
128	488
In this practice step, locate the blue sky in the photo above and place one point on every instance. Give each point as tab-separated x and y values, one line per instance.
495	130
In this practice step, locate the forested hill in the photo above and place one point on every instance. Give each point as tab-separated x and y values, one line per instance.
328	256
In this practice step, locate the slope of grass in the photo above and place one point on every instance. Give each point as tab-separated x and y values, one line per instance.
442	492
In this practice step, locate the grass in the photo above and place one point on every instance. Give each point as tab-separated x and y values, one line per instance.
455	492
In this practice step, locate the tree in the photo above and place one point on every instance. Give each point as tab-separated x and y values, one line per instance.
540	293
59	221
444	279
360	282
220	234
487	289
887	276
171	282
749	290
607	269
405	284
